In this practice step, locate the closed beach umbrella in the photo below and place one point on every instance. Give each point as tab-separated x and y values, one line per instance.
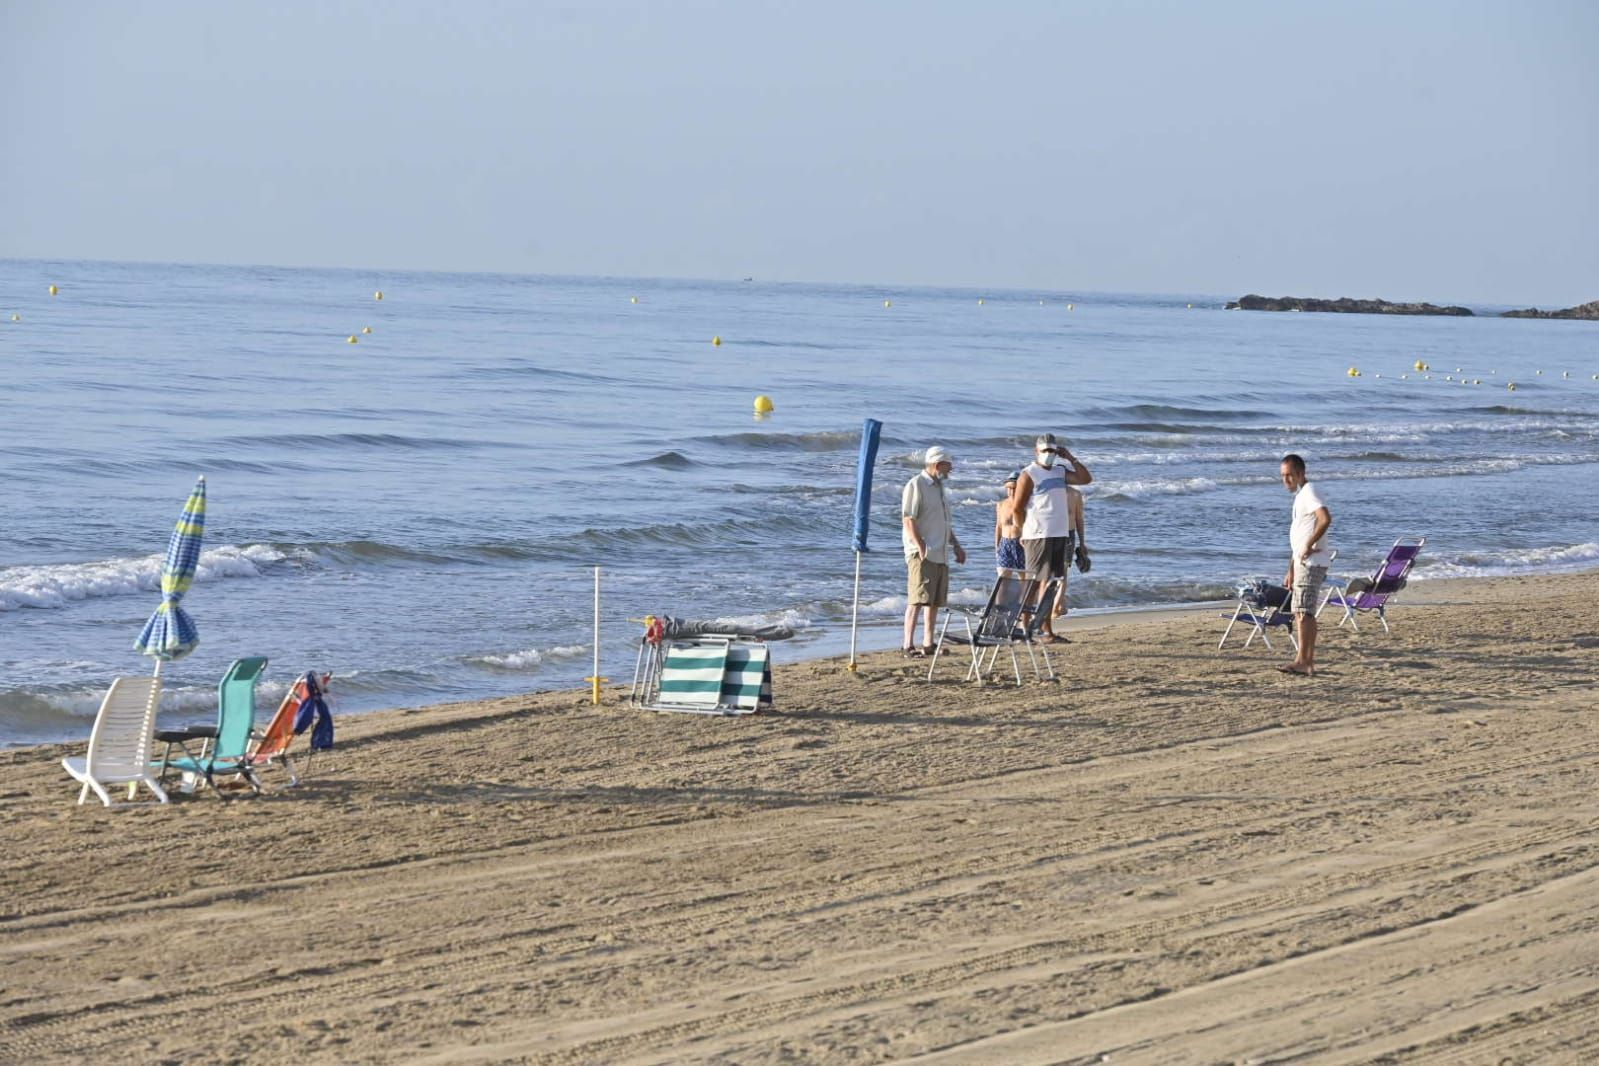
870	431
170	633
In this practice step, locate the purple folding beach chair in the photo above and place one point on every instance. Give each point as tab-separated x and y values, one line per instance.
1377	593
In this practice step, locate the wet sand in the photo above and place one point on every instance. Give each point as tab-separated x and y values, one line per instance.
1173	855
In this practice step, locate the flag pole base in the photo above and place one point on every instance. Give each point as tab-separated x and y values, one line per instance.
595	681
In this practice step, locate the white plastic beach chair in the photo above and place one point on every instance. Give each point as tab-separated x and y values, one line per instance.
120	742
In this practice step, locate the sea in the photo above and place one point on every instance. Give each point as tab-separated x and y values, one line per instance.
421	512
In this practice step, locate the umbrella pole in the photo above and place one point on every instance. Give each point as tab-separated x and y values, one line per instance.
854	613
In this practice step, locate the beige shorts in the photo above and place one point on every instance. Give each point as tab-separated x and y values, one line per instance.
1307	586
927	583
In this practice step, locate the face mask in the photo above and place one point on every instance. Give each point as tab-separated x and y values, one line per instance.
1046	460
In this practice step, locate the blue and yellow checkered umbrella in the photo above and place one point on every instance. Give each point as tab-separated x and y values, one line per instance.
170	633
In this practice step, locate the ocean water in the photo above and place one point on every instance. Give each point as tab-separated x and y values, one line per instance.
420	512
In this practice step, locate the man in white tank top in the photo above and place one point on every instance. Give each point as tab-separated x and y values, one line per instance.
1045	513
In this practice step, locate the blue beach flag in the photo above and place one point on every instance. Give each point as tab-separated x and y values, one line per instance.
863	519
870	432
171	633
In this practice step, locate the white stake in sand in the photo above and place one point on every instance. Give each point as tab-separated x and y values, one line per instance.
595	679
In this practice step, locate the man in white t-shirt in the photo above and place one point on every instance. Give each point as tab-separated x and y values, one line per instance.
1307	536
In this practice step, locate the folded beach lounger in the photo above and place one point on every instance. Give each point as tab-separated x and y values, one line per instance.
708	674
225	748
998	626
1377	592
120	741
1262	606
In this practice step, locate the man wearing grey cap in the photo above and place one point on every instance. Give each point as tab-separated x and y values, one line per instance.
1042	507
928	535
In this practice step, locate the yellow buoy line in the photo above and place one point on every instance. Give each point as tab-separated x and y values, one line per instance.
764	406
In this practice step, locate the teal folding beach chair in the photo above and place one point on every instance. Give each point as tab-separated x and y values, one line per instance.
226	752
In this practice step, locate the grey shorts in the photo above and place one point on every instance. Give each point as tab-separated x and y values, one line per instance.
1046	557
927	583
1307	587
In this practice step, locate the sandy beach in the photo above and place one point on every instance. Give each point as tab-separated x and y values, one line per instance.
1174	855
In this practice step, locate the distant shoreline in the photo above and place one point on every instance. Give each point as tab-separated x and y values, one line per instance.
1344	305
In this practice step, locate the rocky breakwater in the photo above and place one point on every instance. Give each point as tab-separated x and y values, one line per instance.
1342	305
1587	312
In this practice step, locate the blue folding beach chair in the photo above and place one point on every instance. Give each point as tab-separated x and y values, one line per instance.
1262	605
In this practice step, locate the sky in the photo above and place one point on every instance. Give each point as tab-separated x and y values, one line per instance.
1443	151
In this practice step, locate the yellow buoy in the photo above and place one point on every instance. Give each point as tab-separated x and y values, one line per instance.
1511	386
16	318
763	405
353	338
632	299
366	329
1354	373
716	341
1417	366
888	303
979	301
53	290
378	295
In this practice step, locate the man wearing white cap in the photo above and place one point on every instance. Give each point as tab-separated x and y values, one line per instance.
1044	510
928	535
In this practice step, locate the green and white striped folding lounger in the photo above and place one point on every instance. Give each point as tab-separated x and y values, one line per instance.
691	676
747	682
